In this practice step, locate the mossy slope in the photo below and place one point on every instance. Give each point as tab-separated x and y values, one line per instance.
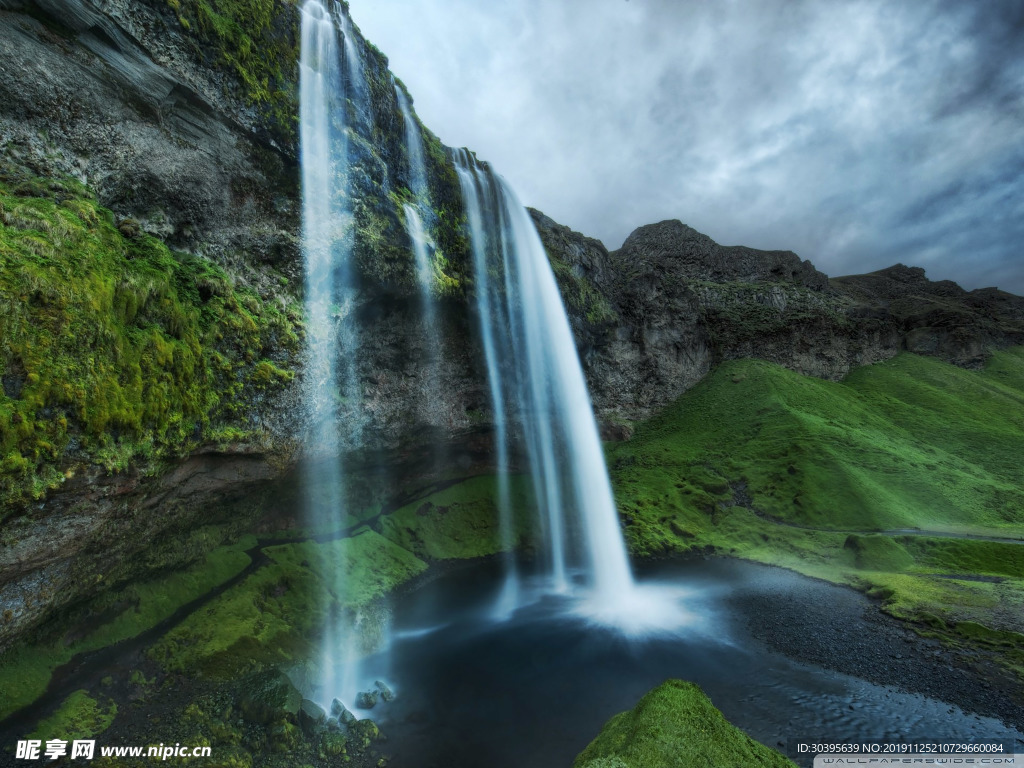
912	442
460	521
113	349
675	725
275	615
25	671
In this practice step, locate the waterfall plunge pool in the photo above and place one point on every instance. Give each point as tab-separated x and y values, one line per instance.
536	688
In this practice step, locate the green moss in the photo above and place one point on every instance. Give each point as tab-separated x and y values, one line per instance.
878	553
460	521
25	671
675	725
579	294
114	350
274	615
79	717
258	42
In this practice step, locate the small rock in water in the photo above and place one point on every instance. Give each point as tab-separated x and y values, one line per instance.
346	717
337	708
386	693
367	699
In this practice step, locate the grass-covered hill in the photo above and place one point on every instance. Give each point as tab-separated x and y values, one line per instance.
911	442
903	480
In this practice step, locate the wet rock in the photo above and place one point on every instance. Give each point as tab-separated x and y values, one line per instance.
333	744
311	716
386	694
365	732
269	697
367	699
285	737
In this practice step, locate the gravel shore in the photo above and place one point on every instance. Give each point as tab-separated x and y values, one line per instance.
840	629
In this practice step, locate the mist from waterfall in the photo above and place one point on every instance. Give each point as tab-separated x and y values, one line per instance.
524	325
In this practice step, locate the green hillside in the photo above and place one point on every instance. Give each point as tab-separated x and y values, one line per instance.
823	477
912	442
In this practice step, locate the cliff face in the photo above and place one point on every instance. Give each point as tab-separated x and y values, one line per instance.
151	323
677	303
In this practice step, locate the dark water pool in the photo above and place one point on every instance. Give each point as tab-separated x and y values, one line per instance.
535	689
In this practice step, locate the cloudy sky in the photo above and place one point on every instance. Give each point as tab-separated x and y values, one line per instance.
858	134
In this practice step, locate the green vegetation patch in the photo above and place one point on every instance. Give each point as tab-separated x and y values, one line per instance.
257	41
912	442
79	717
113	349
878	553
460	521
274	615
25	671
675	724
965	556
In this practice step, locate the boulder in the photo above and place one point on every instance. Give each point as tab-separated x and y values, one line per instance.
269	697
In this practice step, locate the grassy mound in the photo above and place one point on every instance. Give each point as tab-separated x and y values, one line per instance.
675	725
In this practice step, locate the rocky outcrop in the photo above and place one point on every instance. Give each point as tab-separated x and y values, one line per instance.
115	99
677	303
101	530
696	256
940	318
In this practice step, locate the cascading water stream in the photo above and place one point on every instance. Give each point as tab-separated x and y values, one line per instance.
331	388
418	187
357	89
471	182
571	485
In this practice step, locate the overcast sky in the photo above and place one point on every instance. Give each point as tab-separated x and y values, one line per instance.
858	134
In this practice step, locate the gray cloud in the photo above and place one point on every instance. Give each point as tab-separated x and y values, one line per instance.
855	133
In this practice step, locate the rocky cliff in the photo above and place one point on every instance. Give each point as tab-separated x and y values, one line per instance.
674	303
151	322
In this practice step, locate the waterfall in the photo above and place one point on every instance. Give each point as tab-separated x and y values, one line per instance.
330	375
545	381
493	332
357	91
415	212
